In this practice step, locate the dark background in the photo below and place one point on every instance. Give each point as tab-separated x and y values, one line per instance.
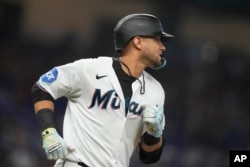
207	80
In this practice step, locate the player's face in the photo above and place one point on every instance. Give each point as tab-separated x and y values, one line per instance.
153	51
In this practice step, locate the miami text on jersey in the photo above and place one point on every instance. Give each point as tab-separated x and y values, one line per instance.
110	98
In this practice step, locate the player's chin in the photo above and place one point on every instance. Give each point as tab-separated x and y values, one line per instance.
159	61
156	64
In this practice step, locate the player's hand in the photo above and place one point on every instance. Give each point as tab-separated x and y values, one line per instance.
153	118
53	144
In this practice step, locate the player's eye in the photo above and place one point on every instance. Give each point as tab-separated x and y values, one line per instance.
157	38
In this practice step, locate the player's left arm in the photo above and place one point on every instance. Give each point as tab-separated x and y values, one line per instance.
152	142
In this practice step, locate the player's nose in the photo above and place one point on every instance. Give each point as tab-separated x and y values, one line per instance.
162	47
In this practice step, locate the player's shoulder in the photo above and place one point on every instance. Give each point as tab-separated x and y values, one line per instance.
151	80
100	59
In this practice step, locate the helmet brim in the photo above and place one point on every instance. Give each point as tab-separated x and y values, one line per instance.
165	37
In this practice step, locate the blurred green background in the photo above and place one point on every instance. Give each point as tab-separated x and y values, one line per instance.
207	80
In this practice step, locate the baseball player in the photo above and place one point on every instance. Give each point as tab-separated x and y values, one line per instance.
114	105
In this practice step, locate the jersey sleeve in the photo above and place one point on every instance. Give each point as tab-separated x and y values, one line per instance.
63	80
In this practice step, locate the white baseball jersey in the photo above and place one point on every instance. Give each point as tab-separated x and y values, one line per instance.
95	123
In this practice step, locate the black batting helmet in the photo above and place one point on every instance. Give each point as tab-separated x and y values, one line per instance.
140	24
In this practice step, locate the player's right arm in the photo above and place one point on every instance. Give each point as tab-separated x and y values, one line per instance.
60	81
53	144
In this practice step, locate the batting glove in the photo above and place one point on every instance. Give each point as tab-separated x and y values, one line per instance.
153	118
53	144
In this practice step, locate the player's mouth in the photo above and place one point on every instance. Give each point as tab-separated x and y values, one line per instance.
161	55
159	58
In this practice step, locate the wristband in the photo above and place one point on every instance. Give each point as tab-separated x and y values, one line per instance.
150	140
150	157
45	118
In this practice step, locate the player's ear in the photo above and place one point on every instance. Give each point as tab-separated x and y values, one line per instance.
137	42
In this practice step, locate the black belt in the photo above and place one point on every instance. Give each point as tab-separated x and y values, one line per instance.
82	164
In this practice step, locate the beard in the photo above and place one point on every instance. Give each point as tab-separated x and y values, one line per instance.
157	63
163	64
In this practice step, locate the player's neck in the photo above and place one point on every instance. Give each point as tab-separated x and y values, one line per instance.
131	66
